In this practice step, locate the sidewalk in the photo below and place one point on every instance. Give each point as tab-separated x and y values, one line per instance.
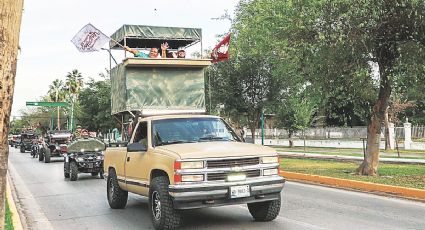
348	158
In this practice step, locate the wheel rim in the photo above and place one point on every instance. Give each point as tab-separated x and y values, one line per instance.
156	205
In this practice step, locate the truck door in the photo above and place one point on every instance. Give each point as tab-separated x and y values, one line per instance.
136	164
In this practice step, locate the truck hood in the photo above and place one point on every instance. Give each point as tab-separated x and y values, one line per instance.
217	149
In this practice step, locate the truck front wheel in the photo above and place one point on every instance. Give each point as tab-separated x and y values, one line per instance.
66	169
73	169
163	214
41	155
117	198
265	211
47	153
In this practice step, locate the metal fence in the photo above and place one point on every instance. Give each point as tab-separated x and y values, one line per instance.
354	133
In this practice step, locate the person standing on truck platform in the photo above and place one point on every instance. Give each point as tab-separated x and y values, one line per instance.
180	54
153	53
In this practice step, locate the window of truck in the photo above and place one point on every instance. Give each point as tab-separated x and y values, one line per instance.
190	130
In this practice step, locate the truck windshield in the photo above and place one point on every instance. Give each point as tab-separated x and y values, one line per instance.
189	130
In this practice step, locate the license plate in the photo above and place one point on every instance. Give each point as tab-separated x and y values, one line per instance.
90	165
239	191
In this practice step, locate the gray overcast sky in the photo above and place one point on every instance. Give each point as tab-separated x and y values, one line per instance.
48	27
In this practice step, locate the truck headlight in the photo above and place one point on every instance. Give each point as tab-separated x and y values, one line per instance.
192	164
269	160
192	178
269	172
100	157
79	159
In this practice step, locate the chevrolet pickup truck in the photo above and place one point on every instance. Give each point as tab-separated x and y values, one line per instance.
192	161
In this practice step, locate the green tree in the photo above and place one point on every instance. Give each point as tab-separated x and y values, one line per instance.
74	83
57	94
95	105
365	43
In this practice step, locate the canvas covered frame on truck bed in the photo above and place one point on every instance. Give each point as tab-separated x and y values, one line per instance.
149	87
158	86
144	37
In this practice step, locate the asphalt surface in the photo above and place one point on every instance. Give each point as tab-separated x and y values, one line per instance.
48	201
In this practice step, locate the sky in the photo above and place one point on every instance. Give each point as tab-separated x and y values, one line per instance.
46	52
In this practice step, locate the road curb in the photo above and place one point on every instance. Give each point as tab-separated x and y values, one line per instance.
410	193
16	220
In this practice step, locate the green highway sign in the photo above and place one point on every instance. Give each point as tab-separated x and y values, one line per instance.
46	103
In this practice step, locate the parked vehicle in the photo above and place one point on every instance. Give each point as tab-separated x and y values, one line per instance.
55	145
85	155
26	141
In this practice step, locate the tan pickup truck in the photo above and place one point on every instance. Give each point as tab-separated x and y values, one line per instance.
192	161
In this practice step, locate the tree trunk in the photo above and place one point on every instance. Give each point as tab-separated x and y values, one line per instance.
10	23
370	163
252	128
387	131
291	142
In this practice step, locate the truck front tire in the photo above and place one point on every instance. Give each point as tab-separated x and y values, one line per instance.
66	169
22	149
47	155
117	198
265	211
73	170
163	214
41	155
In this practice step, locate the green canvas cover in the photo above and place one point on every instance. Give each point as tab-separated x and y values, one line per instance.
157	88
141	36
88	144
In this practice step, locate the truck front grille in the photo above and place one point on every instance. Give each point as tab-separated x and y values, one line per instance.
222	176
228	163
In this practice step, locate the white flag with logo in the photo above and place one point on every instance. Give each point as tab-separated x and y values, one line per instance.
89	39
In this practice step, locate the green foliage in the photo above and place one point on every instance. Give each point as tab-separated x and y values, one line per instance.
95	106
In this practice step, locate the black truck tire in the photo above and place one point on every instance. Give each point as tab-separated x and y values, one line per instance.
47	155
94	173
73	171
265	211
117	198
22	149
66	169
41	155
163	214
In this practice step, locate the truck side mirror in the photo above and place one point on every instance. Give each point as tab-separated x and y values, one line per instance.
136	147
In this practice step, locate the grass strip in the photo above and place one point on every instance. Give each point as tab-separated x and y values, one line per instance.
404	175
8	224
354	152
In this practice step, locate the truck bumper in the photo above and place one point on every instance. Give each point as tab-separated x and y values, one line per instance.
211	194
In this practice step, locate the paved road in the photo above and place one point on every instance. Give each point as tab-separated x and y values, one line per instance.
51	202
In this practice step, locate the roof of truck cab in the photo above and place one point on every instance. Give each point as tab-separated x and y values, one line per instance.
179	116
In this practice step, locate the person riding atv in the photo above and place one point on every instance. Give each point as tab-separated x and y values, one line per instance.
55	146
85	155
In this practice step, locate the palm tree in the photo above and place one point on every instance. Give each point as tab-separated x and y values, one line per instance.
74	83
57	94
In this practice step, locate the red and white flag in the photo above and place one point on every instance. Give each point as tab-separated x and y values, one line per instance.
221	50
89	39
